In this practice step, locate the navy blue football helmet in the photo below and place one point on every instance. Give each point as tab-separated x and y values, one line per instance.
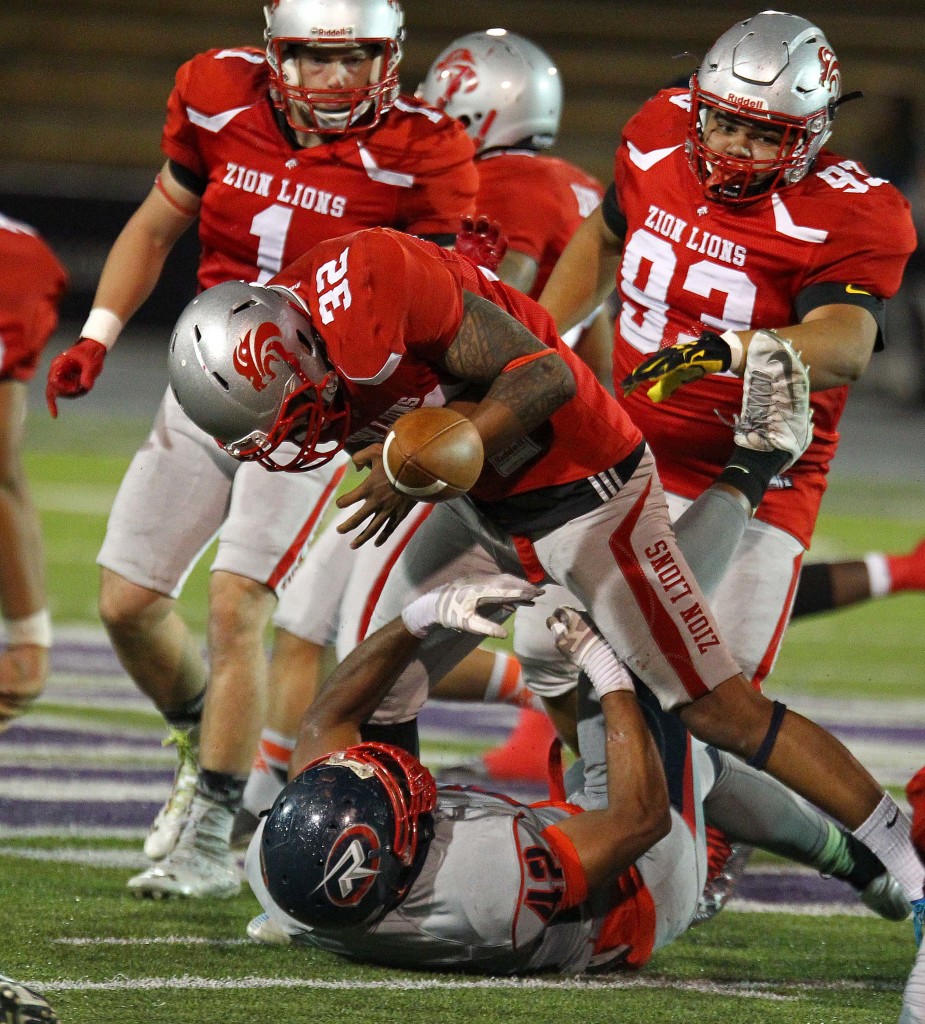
345	839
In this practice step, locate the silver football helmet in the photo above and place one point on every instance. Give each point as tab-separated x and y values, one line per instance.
777	69
247	368
503	88
316	23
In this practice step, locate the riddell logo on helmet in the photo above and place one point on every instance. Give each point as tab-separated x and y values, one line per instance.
347	32
746	102
256	353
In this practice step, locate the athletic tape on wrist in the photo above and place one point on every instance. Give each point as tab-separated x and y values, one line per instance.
420	616
33	629
736	349
103	326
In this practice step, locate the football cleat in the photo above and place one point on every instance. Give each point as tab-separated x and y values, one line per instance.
884	896
265	930
166	827
776	414
201	865
726	863
20	1005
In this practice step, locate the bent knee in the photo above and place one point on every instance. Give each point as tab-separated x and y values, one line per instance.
733	717
124	605
238	606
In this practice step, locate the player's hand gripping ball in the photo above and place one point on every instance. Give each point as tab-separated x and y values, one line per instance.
433	454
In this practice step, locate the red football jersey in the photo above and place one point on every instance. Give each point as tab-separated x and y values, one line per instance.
266	202
539	201
689	264
32	282
387	306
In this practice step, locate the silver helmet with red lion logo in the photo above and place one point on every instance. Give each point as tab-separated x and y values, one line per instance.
777	70
504	89
247	368
377	25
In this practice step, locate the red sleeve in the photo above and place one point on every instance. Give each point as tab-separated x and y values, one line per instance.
576	886
212	83
446	178
376	295
32	283
871	233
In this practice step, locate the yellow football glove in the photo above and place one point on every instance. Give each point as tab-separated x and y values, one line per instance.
670	368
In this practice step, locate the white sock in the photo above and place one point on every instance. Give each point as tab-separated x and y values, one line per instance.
276	749
506	685
878	571
886	833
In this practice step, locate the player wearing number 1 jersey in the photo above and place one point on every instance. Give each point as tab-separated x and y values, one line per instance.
273	152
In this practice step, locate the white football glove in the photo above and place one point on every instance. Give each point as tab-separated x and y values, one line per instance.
576	637
463	605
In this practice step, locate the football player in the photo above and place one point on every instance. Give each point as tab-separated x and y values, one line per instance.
364	856
32	282
272	151
569	490
727	215
508	94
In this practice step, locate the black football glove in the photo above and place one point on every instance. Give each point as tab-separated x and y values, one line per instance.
670	368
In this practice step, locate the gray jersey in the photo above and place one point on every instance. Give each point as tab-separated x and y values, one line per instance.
489	898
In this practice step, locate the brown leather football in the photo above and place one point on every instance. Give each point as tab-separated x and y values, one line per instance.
433	454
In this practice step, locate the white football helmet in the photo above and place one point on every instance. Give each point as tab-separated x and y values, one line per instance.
339	23
247	368
504	89
773	68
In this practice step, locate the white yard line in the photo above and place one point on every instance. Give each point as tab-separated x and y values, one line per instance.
774	991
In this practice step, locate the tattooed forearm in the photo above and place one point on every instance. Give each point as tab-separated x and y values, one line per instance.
487	342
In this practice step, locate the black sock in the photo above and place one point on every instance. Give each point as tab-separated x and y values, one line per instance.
187	715
751	472
866	865
222	788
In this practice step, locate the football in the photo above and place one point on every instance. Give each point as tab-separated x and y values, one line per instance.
433	454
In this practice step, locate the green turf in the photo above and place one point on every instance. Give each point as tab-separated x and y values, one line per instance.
786	969
790	968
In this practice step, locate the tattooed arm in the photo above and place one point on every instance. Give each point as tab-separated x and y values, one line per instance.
493	349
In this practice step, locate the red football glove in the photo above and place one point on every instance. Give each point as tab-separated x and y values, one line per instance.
481	240
73	373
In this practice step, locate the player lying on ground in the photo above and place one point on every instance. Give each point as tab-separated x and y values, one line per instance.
362	855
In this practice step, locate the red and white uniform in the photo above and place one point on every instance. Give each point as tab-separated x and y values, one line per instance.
32	282
265	203
539	201
690	264
576	501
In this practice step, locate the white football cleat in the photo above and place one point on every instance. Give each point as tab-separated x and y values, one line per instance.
201	865
167	826
265	930
776	414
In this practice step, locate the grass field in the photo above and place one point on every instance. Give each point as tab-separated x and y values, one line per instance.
69	926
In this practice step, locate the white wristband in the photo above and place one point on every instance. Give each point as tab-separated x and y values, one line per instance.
606	672
735	347
103	326
33	629
420	616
